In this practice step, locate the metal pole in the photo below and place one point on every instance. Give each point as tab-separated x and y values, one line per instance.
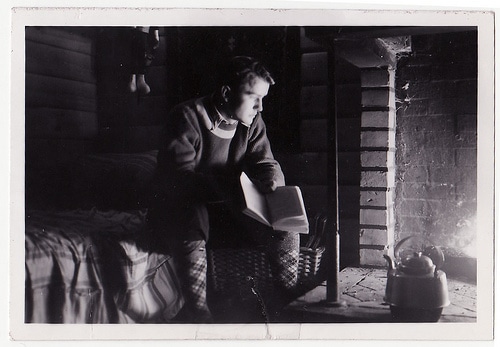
333	240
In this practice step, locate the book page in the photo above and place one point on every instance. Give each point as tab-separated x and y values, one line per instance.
256	204
286	203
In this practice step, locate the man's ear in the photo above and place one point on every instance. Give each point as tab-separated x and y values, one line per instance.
225	93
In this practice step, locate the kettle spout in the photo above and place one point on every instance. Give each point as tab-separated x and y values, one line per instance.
390	261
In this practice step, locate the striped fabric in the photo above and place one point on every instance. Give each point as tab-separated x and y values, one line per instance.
193	273
85	266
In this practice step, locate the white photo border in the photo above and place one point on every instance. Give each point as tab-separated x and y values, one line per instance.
68	16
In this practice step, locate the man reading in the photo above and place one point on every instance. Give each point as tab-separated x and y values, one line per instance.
207	143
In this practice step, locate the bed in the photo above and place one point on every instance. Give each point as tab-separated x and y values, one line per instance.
89	259
85	255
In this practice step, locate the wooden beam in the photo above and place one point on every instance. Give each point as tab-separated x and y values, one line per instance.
327	34
382	32
365	53
370	46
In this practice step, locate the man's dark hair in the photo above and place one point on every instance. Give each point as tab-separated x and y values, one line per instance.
241	69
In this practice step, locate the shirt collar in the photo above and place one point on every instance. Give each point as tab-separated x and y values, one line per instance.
218	118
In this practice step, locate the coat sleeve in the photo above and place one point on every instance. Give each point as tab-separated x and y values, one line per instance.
177	159
259	161
176	174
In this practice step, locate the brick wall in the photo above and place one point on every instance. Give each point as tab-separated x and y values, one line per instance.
377	183
406	146
365	109
309	167
436	141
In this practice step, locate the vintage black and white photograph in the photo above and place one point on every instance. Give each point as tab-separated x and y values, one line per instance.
275	174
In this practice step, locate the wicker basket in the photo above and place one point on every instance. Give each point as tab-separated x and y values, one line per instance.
238	270
309	264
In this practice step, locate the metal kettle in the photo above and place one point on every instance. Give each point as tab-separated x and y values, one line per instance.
417	290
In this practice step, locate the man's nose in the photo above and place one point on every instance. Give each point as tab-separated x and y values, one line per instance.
259	106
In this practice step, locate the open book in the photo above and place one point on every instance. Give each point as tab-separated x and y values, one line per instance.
282	209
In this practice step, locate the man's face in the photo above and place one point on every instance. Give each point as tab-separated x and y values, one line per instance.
244	103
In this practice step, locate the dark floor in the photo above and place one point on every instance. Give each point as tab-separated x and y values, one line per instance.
361	291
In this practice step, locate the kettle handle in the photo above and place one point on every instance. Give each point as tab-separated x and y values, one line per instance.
438	261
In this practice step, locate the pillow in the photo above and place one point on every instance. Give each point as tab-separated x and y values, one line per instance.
113	180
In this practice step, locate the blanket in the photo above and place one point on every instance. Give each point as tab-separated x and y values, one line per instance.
87	266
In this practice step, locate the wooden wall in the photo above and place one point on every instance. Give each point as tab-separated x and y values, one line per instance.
77	100
130	122
60	96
